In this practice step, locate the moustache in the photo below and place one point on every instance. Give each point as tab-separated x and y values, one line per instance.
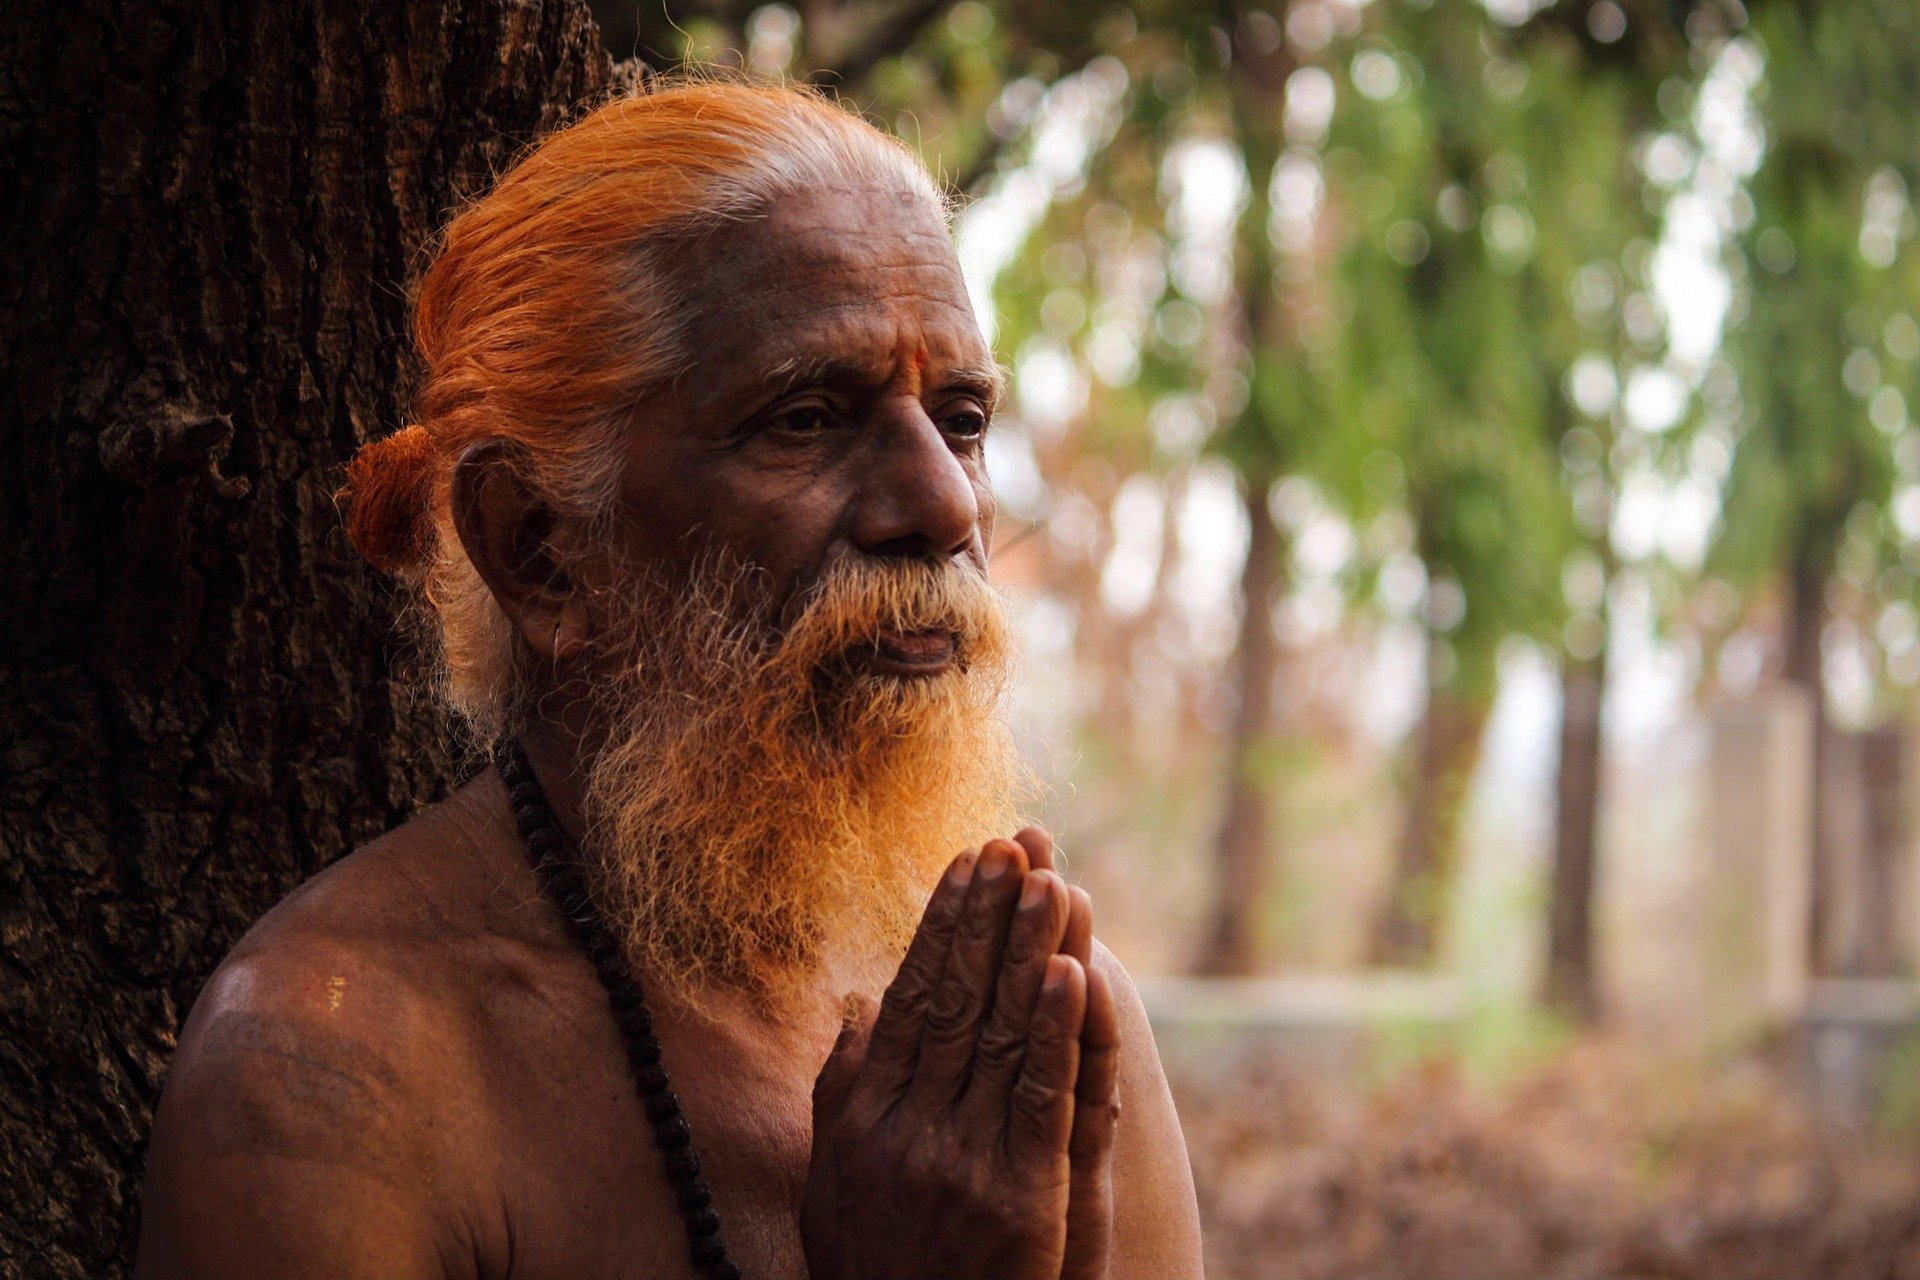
901	617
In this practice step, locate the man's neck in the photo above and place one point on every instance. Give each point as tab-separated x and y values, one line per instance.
555	755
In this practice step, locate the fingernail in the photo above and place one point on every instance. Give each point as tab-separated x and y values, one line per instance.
963	867
994	863
1034	891
1056	975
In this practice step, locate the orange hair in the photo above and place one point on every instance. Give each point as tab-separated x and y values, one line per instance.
552	306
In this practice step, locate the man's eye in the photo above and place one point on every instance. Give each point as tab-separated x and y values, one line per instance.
966	423
801	420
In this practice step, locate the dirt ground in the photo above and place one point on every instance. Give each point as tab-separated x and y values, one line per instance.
1600	1165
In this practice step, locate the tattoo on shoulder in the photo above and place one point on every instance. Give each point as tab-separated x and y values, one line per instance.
282	1089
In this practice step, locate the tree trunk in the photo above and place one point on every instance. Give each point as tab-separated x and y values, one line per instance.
1256	441
1445	753
215	209
1570	978
1806	617
1240	848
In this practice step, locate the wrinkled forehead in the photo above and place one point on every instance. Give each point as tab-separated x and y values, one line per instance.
820	231
837	268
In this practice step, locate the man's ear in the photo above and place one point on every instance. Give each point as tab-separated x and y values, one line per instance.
508	532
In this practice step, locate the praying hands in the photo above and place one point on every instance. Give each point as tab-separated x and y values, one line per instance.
967	1130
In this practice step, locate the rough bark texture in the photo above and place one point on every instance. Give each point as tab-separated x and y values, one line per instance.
1445	754
212	215
1570	985
1240	849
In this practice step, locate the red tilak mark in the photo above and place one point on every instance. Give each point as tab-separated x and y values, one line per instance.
917	365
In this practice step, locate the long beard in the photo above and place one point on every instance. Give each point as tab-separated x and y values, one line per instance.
761	804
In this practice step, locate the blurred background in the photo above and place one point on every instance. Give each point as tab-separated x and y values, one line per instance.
1462	504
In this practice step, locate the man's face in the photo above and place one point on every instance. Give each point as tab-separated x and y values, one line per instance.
805	662
836	406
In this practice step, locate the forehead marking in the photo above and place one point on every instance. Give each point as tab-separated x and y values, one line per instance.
916	366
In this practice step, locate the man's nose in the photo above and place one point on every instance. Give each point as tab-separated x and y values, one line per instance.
915	496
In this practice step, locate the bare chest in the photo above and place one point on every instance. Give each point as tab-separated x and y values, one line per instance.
582	1189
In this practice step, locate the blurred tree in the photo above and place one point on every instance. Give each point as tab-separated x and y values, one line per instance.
1822	356
1448	378
1500	218
1597	83
1261	440
1429	173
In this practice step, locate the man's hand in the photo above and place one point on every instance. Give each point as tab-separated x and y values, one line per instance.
946	1135
1097	1092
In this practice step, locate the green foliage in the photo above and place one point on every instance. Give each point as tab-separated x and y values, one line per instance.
1810	453
1473	173
1830	273
1469	174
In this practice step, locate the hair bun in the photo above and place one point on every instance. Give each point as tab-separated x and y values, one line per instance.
388	496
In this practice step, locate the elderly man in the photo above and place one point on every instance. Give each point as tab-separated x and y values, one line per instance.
697	511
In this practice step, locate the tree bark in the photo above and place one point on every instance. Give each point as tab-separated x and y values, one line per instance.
1570	977
1231	945
216	207
1445	753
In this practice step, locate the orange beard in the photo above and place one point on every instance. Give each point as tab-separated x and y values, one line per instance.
761	808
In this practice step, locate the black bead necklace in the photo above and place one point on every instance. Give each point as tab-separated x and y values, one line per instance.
559	875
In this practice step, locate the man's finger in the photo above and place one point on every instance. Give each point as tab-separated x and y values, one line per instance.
1040	1111
1038	843
894	1043
1032	939
1096	1111
1078	939
958	1007
834	1084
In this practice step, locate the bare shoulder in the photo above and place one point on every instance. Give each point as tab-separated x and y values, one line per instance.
1156	1217
1143	1082
351	984
306	1123
278	1061
1126	996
